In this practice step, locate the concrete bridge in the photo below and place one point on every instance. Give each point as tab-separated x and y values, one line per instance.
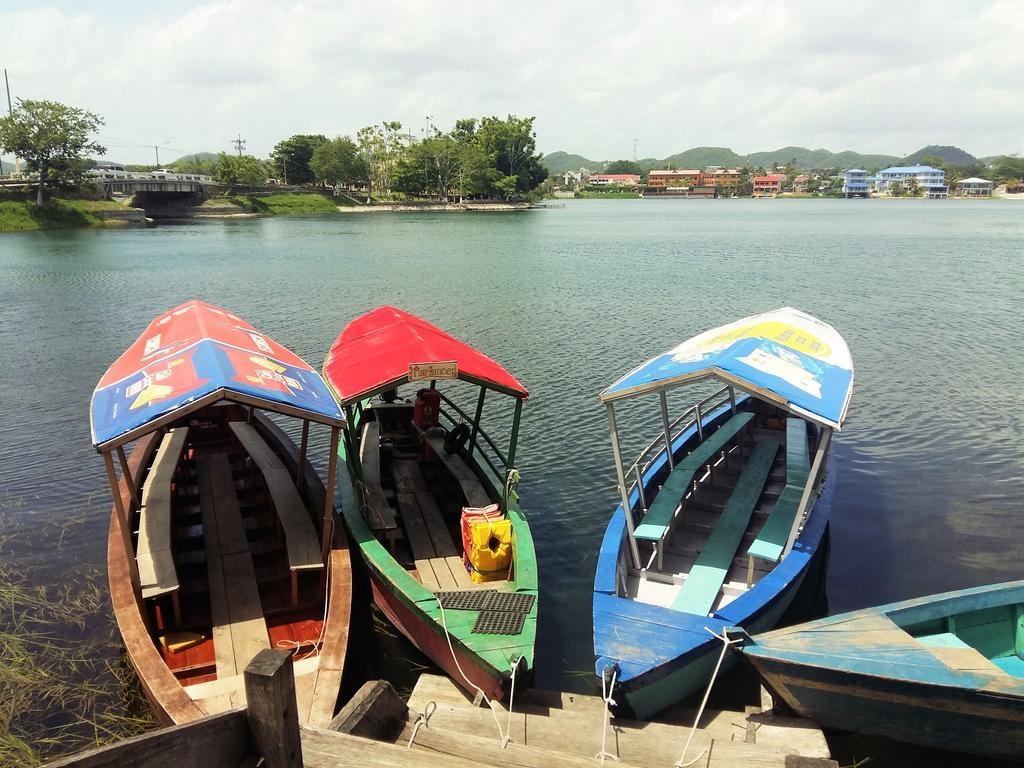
161	196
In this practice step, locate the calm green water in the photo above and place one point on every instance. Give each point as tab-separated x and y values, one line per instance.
927	293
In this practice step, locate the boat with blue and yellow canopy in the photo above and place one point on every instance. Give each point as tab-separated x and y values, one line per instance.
719	518
222	536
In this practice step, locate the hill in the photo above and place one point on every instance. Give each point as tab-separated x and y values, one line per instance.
560	162
809	159
699	157
201	157
948	154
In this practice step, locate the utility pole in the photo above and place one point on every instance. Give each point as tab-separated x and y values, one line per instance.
10	112
239	144
634	150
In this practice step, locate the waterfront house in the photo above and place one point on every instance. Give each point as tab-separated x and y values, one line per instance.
974	187
723	180
768	186
673	179
930	181
615	179
855	182
800	183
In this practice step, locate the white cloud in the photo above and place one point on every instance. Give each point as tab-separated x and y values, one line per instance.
871	76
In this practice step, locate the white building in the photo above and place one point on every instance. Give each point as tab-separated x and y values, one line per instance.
974	187
931	181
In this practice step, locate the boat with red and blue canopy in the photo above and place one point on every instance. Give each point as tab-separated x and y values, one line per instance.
222	537
722	515
437	519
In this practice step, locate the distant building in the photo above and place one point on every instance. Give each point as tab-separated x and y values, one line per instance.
615	179
673	179
768	186
724	181
800	183
974	187
931	181
855	182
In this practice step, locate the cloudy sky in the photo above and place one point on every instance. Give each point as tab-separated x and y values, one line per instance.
872	76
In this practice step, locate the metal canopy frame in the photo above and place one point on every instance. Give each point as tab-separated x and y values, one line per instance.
404	379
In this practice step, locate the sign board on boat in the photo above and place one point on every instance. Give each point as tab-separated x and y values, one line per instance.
423	371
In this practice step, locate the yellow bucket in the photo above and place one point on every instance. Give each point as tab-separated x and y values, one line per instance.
491	553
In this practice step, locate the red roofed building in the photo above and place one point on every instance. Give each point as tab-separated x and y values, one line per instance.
673	178
768	186
615	179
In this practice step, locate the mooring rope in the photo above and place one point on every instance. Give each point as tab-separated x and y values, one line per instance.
505	737
423	718
726	642
296	645
609	702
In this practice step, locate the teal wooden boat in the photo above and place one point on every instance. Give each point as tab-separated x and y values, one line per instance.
942	671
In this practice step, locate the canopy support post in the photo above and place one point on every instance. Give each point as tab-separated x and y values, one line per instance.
812	485
668	429
700	427
476	420
732	399
634	553
127	475
328	527
515	435
300	470
123	523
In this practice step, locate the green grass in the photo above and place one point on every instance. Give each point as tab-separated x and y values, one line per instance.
64	685
24	215
286	204
616	195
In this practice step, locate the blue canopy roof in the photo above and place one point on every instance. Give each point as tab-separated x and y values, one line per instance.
194	355
785	356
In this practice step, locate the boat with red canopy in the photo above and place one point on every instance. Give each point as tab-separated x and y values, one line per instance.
222	536
448	550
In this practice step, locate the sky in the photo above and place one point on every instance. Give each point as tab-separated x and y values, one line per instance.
872	76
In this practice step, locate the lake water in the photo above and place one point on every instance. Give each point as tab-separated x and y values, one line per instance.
930	469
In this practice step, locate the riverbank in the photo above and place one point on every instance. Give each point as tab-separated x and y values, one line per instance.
57	213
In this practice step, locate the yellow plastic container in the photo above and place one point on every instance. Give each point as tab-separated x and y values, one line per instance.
491	555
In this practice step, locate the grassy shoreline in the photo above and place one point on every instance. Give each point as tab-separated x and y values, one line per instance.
56	213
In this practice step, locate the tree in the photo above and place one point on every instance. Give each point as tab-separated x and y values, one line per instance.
624	166
913	188
512	143
240	170
337	162
292	157
1008	168
53	139
381	147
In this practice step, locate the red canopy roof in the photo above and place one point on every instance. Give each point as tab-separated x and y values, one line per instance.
375	352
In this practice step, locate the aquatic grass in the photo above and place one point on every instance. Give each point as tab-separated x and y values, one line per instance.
64	684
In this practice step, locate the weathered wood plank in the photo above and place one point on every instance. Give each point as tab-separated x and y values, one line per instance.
375	712
380	515
273	720
221	741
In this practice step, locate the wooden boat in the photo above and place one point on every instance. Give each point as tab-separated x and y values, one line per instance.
417	463
943	671
222	536
719	520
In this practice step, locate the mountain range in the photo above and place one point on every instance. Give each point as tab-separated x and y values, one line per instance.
805	159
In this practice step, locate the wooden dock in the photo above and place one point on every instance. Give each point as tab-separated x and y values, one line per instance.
439	727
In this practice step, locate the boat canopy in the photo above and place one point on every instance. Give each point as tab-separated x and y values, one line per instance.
195	355
388	347
784	356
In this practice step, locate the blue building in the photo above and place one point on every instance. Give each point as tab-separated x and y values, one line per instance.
931	181
855	182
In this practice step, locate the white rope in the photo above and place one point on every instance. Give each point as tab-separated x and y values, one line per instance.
608	702
296	645
421	719
505	737
726	642
511	698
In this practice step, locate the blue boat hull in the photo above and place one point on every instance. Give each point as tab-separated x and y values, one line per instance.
660	656
945	717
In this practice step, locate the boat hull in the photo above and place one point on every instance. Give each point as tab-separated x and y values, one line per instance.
168	699
956	719
682	668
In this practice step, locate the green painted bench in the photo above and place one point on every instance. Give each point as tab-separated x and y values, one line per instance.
774	535
661	513
708	573
942	640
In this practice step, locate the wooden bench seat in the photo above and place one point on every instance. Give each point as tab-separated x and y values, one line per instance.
472	488
662	512
437	559
708	573
301	541
774	535
153	553
378	512
239	628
